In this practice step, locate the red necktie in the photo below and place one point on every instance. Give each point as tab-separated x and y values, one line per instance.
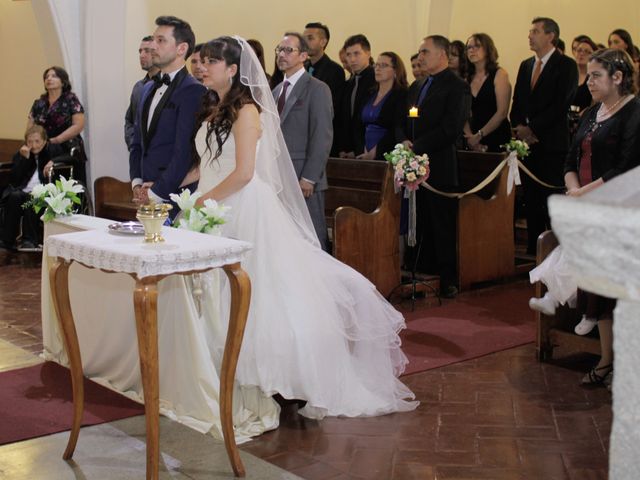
536	73
283	97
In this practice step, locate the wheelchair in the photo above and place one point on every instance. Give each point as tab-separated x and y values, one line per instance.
72	165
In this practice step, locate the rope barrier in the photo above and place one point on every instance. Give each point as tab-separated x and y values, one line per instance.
514	165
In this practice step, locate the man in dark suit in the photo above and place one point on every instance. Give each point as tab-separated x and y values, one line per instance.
304	105
546	84
320	66
161	150
442	100
146	63
357	91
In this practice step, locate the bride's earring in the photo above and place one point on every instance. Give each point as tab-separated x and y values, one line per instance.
230	81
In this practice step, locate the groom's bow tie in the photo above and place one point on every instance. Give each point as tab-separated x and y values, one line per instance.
160	79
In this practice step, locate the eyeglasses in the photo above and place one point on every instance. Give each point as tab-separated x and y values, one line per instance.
586	51
285	50
473	47
381	65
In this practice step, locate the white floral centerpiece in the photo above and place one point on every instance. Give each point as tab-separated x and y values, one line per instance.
207	218
519	146
56	199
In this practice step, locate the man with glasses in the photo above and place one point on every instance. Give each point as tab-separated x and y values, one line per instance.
306	112
544	90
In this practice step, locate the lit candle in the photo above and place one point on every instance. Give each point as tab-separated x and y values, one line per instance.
413	112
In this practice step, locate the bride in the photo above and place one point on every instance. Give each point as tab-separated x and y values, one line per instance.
317	330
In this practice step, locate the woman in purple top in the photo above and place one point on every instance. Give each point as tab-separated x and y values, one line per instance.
58	110
385	110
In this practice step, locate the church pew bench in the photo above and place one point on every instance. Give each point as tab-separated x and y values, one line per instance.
485	234
557	330
363	217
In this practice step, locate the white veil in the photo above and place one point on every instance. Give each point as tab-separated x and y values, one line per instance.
273	163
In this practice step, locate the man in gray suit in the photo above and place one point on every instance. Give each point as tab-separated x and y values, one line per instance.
306	113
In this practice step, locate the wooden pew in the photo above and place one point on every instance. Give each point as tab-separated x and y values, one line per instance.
485	235
557	330
362	210
114	199
8	148
363	215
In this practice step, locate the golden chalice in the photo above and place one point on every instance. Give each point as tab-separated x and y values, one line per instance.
153	215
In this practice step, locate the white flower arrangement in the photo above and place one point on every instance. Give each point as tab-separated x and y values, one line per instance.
59	198
204	219
519	146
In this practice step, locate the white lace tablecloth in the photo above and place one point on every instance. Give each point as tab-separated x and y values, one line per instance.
182	251
190	343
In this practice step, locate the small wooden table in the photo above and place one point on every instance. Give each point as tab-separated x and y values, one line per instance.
182	253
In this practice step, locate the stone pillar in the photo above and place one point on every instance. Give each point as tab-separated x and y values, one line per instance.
600	234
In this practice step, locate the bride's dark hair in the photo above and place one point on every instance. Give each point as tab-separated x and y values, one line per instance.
221	115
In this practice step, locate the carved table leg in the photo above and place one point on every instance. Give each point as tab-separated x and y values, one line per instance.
59	281
145	299
240	298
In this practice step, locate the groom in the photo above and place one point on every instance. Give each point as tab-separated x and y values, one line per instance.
306	113
160	154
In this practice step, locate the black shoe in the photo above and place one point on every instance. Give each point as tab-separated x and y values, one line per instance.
28	246
450	291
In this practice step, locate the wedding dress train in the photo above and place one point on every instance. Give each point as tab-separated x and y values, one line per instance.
317	330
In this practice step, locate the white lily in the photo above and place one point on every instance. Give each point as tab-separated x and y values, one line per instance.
212	208
186	200
70	185
196	221
38	191
59	204
51	189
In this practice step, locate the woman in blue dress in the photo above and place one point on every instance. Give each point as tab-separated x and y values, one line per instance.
386	108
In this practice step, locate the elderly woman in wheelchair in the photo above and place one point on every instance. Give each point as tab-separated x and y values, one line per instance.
33	164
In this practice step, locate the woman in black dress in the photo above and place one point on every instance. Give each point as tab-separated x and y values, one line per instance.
605	145
488	127
584	48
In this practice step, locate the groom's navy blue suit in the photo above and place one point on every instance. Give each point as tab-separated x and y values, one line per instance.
162	153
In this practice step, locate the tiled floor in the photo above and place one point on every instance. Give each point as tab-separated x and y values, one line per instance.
503	416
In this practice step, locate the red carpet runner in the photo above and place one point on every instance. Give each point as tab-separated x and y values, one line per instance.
37	401
475	324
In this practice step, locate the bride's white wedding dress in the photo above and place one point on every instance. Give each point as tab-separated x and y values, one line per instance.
317	330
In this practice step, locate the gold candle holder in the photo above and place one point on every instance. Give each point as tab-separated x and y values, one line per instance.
152	216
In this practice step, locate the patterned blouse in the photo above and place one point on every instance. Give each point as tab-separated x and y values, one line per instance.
57	118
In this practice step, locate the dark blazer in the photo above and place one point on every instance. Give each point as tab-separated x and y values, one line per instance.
442	115
23	168
348	139
392	115
163	153
615	143
545	108
130	114
329	72
306	126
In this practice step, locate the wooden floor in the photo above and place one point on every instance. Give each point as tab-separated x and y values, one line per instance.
503	416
